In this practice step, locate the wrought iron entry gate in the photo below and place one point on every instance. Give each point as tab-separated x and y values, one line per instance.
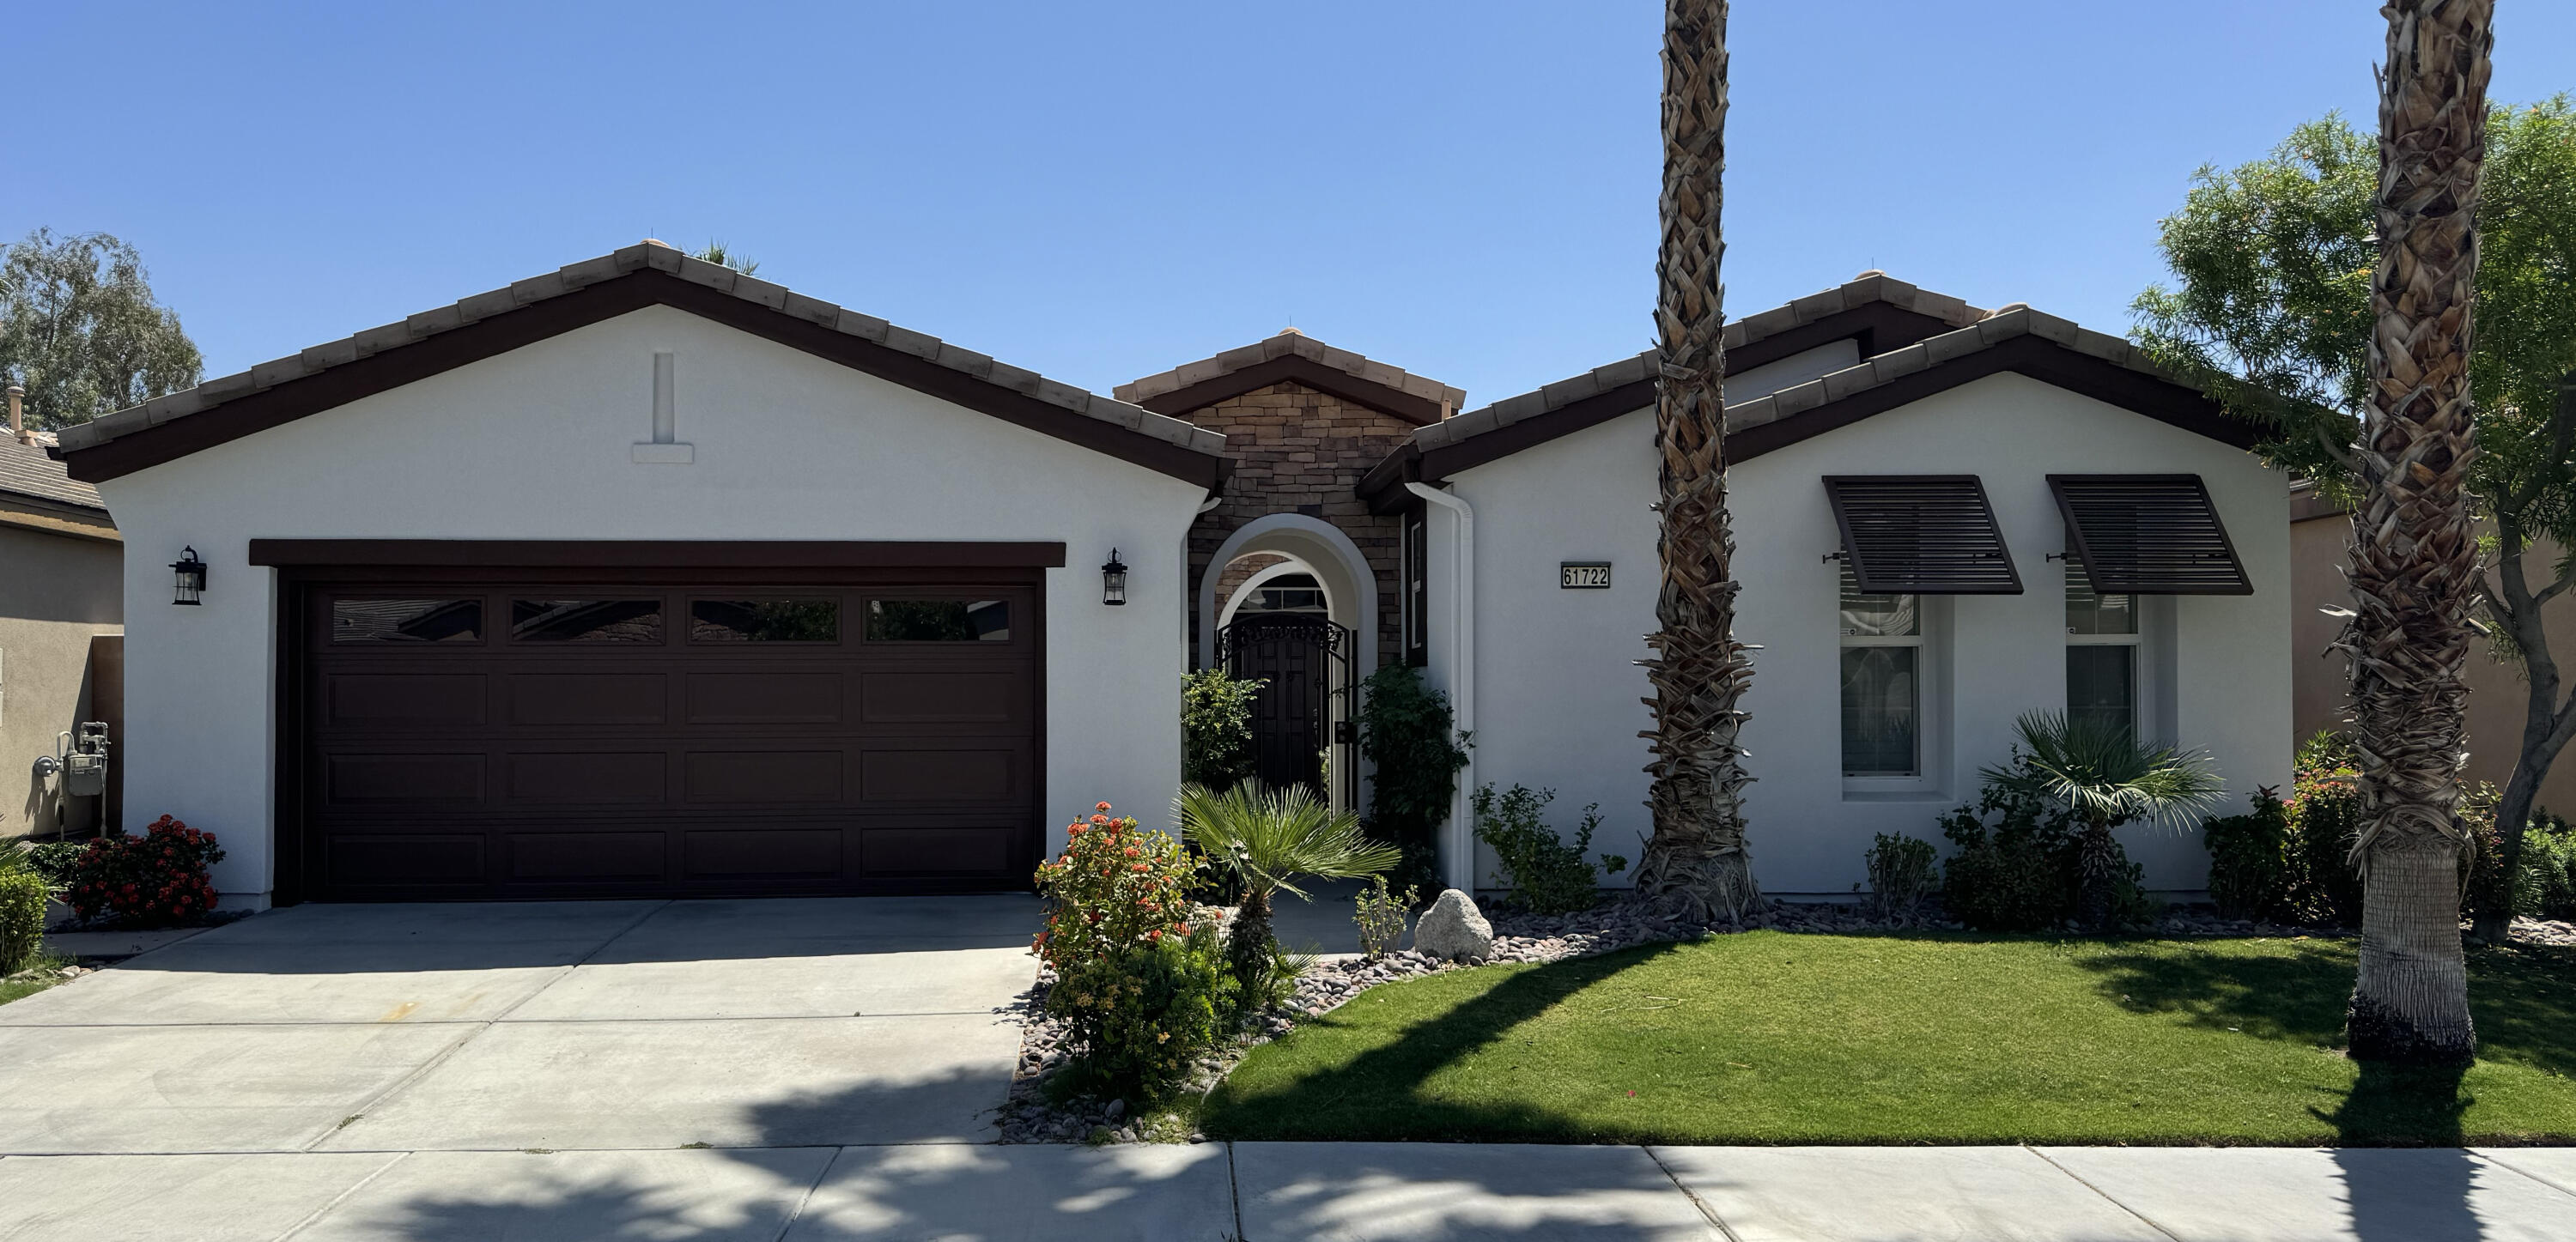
1302	731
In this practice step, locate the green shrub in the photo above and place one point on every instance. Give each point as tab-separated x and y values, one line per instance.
2324	813
158	879
22	919
2251	872
2017	874
2549	867
1548	874
1381	916
1140	977
1901	873
1408	733
53	859
1216	728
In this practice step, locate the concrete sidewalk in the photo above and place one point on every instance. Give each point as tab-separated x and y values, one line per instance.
1273	1192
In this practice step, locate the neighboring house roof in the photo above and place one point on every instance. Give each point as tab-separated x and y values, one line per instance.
1896	368
494	322
1295	357
37	494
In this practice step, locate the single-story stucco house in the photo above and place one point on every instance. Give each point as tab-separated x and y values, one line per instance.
61	574
645	577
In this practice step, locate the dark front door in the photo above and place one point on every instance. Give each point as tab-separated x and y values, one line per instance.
620	734
1298	656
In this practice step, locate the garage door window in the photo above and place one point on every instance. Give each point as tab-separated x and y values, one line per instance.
586	620
406	621
765	621
939	621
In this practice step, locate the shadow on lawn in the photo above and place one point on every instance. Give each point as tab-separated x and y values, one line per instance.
1377	1095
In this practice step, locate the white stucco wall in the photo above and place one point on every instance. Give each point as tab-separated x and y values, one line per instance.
535	444
1559	694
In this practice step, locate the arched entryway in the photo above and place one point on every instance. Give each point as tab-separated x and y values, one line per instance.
1304	619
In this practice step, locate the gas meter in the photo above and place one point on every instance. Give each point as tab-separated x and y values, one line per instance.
82	760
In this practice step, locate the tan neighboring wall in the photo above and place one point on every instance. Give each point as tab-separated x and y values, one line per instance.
57	592
2318	535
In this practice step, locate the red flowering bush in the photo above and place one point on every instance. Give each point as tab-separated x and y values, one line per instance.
1138	976
154	880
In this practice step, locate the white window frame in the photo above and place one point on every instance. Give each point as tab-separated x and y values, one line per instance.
2141	670
1927	690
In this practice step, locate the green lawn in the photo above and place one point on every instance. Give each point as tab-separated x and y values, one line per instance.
1775	1038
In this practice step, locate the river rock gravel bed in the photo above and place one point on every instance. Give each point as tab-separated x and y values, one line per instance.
1619	922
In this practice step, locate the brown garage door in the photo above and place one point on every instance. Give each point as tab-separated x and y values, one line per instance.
617	733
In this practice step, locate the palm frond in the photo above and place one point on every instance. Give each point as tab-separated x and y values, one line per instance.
1272	836
2106	773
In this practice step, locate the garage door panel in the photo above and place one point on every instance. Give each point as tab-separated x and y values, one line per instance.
423	778
799	697
961	850
786	852
595	746
985	775
404	860
588	699
358	700
621	777
987	697
589	857
764	776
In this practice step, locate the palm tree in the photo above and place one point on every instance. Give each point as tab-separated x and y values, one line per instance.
1696	863
1268	837
2109	778
2414	550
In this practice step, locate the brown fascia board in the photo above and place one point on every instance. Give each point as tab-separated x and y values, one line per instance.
1299	369
498	334
2034	356
657	553
1877	327
36	513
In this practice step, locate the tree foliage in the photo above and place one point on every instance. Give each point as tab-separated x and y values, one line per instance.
80	330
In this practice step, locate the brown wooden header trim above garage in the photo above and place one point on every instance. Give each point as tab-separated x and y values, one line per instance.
340	384
657	554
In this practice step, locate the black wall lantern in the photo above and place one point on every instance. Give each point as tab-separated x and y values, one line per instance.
1113	580
190	574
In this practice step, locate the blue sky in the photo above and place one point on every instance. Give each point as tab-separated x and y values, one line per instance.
1100	191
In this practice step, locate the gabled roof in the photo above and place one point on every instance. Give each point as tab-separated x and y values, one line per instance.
1912	344
594	290
1295	357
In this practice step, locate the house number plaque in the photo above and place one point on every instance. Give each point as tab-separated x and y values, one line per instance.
1583	575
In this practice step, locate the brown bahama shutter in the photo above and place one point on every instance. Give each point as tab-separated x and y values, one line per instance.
2149	534
1921	534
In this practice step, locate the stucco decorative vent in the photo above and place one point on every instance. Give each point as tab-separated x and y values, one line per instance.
1922	534
2149	534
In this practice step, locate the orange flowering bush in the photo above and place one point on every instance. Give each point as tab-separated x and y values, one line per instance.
1139	982
154	880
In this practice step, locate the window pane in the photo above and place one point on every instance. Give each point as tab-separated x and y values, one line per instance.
406	620
586	620
765	621
2102	684
939	621
1877	616
2089	613
1878	711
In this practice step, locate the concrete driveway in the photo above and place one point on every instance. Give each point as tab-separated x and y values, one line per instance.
558	1025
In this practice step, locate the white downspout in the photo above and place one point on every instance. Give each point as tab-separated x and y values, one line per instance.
1458	839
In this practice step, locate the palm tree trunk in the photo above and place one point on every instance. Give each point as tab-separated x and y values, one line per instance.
1695	864
2094	880
1251	948
2414	555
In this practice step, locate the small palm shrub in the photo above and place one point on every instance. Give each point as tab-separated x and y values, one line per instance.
1381	916
158	879
1269	838
1139	980
1901	871
2252	868
1216	728
1548	874
2108	777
